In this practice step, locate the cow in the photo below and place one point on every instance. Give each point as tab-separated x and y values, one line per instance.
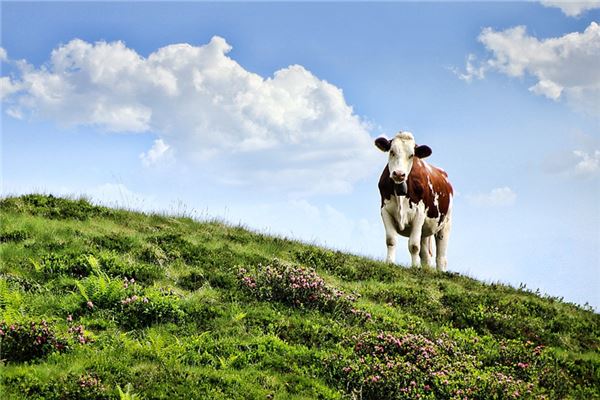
416	201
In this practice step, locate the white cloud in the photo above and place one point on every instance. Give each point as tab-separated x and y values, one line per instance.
587	163
3	55
159	153
472	71
572	8
580	164
290	130
7	87
564	67
498	197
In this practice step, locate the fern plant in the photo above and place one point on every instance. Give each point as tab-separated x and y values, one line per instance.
10	301
100	290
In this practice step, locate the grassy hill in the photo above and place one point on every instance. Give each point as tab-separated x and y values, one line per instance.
101	303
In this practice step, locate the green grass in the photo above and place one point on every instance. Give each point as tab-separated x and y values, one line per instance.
154	306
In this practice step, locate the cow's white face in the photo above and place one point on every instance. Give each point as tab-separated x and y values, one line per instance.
402	150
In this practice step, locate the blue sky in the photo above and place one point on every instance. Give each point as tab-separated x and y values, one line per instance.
267	118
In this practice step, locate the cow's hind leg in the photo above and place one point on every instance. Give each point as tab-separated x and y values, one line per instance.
426	251
441	244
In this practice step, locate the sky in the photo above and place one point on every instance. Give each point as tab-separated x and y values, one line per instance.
264	115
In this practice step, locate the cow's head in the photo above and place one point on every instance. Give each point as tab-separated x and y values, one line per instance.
402	150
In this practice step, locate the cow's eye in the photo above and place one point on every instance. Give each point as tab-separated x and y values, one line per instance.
393	153
411	156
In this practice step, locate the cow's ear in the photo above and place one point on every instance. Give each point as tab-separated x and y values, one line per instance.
422	151
383	144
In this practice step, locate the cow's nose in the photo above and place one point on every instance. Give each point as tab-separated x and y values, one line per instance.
398	175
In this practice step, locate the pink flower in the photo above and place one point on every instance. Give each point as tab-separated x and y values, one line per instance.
90	304
69	318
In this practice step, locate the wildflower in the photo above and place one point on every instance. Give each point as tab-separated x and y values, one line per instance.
69	318
90	305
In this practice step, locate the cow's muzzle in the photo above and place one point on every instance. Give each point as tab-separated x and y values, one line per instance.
398	177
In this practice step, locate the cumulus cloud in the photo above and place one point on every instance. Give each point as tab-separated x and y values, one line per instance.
160	153
564	67
472	71
289	129
498	197
572	8
7	87
581	164
588	163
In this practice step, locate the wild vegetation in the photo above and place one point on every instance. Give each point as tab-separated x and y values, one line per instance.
100	303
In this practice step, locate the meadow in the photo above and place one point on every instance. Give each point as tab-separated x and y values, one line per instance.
103	303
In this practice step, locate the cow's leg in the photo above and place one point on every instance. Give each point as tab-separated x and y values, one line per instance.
390	235
441	244
414	240
425	252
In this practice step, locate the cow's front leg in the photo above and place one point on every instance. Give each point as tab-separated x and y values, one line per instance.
414	240
426	252
390	235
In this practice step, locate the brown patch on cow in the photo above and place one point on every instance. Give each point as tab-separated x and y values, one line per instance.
418	188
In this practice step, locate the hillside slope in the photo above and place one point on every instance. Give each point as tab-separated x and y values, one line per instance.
102	303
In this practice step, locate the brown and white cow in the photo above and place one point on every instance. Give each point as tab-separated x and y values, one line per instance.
416	201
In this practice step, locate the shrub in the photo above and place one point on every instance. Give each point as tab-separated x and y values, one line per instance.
295	286
69	386
54	207
114	265
114	241
13	236
76	265
24	341
411	366
193	280
150	307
